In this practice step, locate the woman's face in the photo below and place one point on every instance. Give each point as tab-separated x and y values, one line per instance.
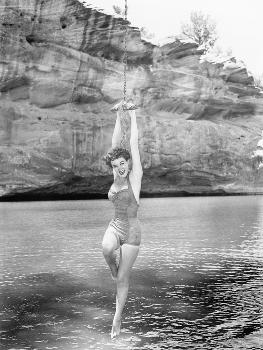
120	167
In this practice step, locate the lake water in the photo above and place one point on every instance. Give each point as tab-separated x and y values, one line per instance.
197	282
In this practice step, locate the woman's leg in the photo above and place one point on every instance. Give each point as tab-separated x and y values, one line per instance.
128	256
109	245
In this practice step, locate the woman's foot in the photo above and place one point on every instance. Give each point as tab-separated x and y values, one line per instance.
116	328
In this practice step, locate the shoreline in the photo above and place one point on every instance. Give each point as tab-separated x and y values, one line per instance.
33	197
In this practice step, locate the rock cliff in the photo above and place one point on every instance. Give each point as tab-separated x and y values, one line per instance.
61	70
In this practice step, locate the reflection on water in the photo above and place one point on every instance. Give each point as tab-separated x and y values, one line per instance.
197	283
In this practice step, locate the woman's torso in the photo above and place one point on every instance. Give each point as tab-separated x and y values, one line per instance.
125	222
125	203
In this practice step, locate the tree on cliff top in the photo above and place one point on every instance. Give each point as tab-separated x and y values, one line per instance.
258	81
118	10
201	30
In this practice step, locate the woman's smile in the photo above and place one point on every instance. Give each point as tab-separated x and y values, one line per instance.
120	167
122	171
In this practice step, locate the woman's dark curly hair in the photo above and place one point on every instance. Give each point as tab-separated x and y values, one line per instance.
116	153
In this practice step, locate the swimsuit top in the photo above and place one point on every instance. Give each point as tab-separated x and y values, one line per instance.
124	202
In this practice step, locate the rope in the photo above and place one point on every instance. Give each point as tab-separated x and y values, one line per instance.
124	117
125	51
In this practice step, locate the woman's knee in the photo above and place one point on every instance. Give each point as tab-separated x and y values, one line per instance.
109	243
107	248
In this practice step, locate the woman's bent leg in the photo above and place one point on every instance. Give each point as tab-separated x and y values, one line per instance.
128	256
109	245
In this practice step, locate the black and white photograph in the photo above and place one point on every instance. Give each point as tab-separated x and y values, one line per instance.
131	175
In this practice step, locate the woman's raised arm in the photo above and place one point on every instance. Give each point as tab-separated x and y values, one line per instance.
134	144
116	136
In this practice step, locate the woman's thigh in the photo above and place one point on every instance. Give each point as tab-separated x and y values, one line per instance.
128	256
110	239
134	236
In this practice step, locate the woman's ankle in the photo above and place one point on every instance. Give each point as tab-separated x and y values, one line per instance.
117	319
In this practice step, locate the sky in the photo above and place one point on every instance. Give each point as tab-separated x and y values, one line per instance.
239	22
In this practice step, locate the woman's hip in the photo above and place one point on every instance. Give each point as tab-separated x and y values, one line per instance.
128	232
134	236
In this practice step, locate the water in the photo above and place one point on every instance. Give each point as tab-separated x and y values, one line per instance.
197	283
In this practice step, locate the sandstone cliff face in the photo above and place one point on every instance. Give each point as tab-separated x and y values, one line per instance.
199	117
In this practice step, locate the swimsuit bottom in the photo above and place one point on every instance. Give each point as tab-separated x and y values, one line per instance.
128	232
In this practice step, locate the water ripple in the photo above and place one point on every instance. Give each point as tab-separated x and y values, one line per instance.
197	283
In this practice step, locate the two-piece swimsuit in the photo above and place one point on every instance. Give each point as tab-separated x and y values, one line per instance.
125	223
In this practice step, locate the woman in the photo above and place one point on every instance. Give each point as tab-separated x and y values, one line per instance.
124	230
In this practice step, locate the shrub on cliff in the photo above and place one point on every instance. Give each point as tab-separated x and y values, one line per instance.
259	81
201	30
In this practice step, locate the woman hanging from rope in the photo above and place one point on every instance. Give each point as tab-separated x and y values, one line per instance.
124	230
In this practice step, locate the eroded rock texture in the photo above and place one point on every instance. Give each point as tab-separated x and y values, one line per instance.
60	72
